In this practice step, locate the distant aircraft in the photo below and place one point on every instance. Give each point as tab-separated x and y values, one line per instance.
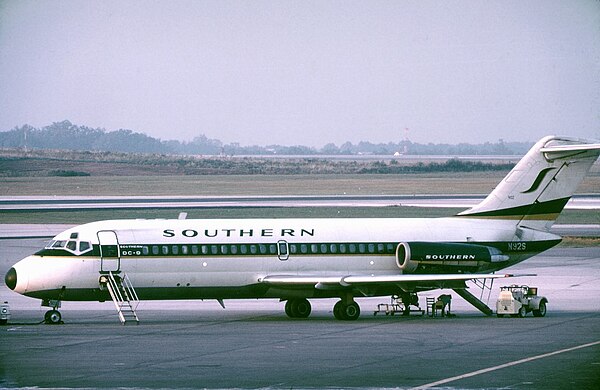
300	259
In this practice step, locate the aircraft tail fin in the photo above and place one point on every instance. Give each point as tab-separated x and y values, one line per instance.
537	189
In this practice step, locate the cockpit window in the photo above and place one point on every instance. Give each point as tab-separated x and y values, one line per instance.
73	245
59	244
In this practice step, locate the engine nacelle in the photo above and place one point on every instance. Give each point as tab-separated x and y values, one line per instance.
412	256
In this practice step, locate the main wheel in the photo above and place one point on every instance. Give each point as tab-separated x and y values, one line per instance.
351	311
297	308
301	308
346	312
541	312
288	309
52	317
337	310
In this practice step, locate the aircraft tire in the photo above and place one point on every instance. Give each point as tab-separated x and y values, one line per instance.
351	312
288	309
298	308
53	317
346	312
337	311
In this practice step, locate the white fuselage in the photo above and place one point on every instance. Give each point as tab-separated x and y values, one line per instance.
227	258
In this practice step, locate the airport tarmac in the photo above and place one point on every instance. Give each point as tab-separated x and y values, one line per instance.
252	344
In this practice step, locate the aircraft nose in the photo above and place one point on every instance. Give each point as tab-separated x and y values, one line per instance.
11	279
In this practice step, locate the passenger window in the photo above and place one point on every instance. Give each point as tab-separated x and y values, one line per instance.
323	248
244	249
224	249
204	250
263	249
184	250
352	248
145	250
234	249
155	249
194	249
314	248
380	248
165	250
361	248
84	246
283	249
214	250
304	248
333	248
253	249
293	248
272	249
371	248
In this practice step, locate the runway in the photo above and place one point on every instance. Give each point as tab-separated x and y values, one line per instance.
252	344
23	203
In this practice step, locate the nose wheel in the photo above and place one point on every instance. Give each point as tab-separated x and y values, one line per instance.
53	317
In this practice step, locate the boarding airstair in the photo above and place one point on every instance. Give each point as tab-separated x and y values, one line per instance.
123	295
479	303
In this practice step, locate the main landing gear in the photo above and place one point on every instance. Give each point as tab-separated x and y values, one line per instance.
53	317
345	309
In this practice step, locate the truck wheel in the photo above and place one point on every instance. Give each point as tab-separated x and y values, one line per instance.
541	312
522	312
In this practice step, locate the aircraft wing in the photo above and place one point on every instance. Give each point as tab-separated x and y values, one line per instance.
352	280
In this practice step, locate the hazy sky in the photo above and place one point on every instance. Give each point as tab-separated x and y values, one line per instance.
305	72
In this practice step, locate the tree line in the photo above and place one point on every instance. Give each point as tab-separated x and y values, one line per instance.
68	136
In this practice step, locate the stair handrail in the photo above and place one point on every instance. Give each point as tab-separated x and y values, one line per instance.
116	296
130	291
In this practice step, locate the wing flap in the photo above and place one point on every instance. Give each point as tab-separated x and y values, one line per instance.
346	281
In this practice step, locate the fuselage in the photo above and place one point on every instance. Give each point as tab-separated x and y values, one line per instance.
228	258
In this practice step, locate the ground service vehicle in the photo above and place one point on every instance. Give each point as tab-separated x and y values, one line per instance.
517	301
4	313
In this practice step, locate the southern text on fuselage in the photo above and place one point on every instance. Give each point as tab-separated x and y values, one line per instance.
264	232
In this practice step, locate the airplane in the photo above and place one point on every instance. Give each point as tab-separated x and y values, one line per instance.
300	259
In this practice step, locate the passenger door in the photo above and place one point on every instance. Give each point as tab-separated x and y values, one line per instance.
110	253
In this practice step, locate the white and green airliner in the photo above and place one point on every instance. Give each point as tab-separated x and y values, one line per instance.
296	260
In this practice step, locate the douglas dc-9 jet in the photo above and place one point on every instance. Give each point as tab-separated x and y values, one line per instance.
300	259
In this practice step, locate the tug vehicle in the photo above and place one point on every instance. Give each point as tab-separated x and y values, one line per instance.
517	301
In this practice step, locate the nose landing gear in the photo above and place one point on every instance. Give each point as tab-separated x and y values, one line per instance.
53	317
